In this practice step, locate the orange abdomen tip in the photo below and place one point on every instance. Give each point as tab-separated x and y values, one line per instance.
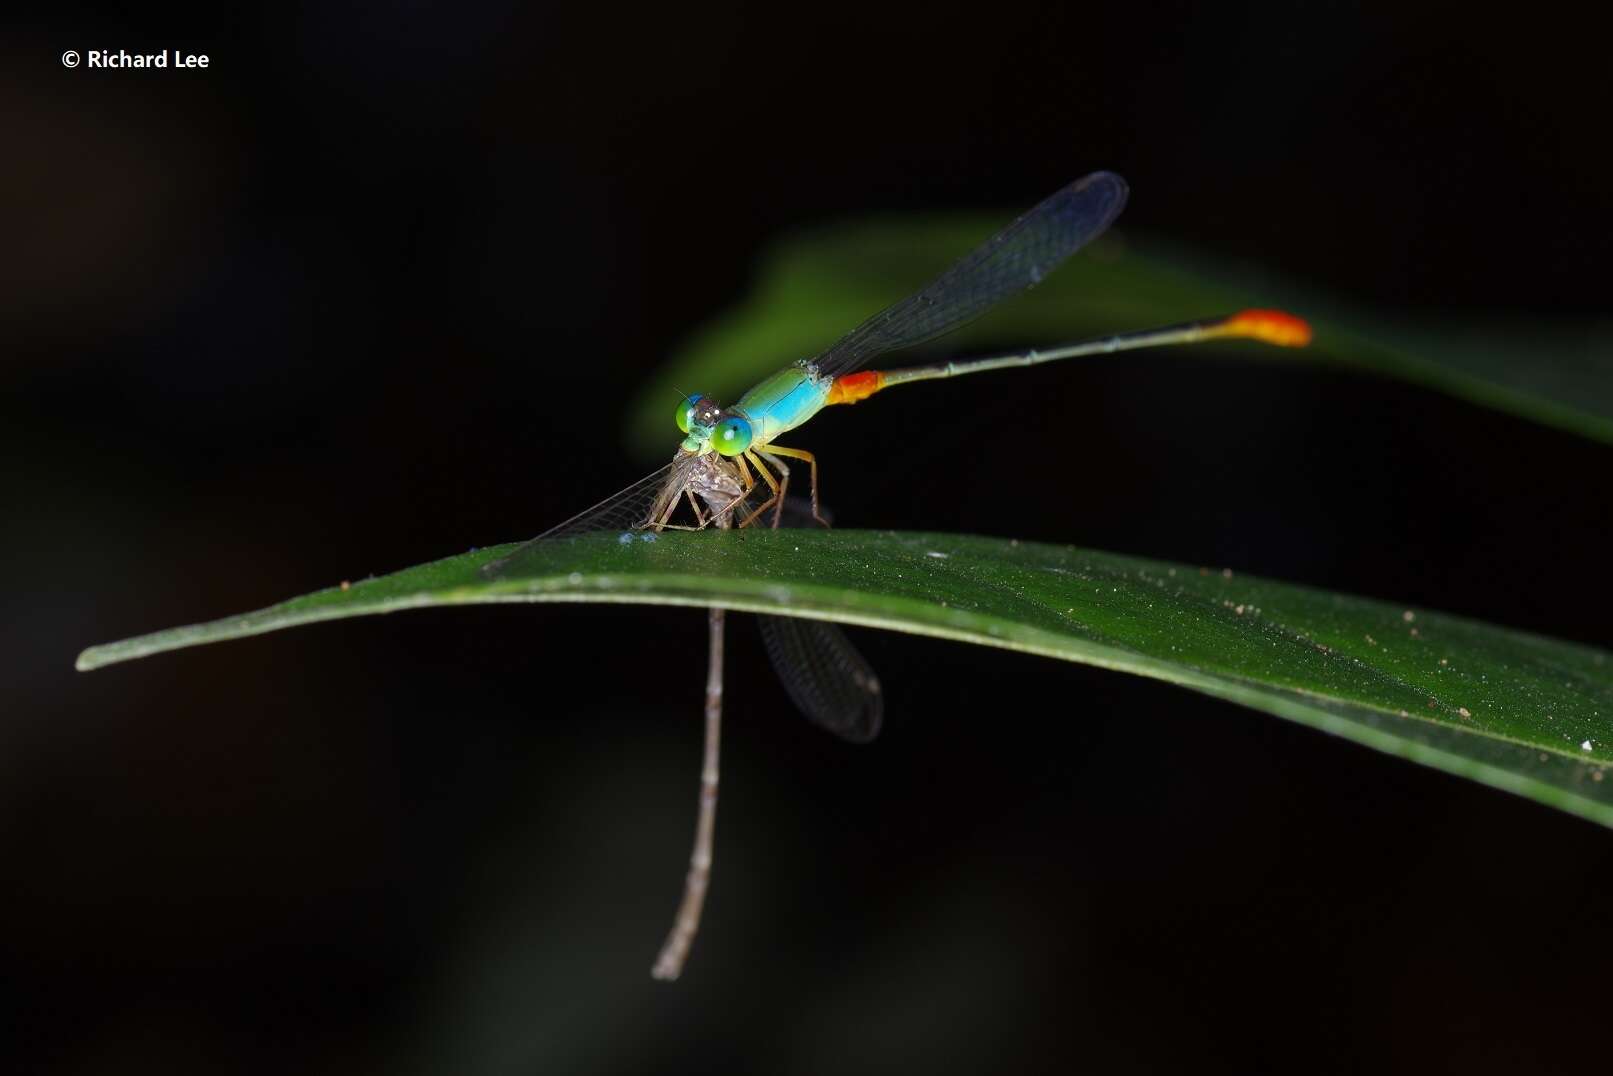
1270	326
849	388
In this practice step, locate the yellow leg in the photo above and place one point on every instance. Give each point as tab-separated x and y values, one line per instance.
772	483
750	484
757	456
812	463
783	470
744	473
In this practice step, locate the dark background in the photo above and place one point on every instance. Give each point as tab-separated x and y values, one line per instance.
363	293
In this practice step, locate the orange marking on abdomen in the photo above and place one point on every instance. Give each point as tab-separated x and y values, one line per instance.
849	388
1272	326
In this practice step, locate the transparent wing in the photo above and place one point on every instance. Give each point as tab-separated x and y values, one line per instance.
1011	261
665	497
625	510
826	677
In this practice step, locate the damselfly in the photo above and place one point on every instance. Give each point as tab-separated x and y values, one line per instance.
730	469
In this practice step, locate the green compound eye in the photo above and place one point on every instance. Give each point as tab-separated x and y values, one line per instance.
732	436
686	410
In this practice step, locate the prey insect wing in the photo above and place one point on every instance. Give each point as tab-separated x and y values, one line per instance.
659	499
827	678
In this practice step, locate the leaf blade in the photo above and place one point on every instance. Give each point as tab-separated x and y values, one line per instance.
1506	708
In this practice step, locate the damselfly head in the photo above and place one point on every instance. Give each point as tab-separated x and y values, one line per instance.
707	426
698	413
697	416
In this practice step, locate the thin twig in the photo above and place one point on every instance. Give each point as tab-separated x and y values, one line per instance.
675	950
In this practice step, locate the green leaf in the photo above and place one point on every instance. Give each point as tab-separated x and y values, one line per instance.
813	287
1527	714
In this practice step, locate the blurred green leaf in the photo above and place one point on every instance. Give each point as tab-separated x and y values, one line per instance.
815	286
1520	712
